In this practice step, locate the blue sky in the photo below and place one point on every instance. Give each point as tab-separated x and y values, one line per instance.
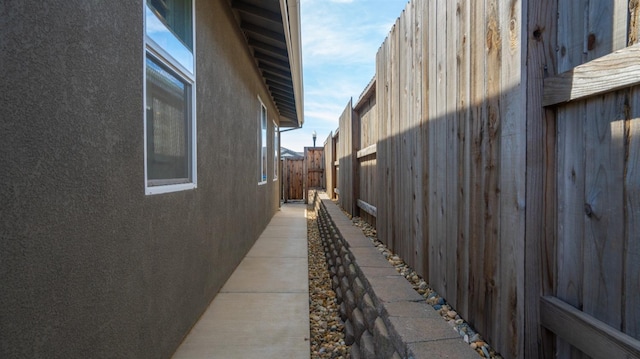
340	39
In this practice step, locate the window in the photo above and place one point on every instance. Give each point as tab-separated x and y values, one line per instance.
170	133
276	146
262	144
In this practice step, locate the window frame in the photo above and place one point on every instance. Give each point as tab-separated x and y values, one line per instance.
276	146
158	54
263	173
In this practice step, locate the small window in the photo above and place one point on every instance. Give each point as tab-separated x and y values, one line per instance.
262	144
170	141
276	147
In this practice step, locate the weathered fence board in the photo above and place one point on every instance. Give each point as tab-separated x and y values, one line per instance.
328	165
571	201
634	23
463	191
345	155
477	285
367	117
570	34
631	319
436	249
587	333
367	207
336	163
367	151
609	73
603	206
541	167
512	168
383	100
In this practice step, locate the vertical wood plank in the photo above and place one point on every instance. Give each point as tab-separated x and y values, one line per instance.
438	148
477	289
355	170
285	180
492	188
606	27
512	164
425	109
634	22
419	141
403	179
334	159
464	155
382	104
394	93
572	23
345	158
327	156
450	118
603	246
386	148
571	174
336	154
390	139
380	170
430	165
631	316
305	175
539	258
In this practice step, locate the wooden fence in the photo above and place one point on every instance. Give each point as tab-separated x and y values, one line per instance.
330	165
303	173
313	169
293	179
497	151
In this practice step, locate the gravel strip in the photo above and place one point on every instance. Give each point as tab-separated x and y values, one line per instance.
326	327
473	338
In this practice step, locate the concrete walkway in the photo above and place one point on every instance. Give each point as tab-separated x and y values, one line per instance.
263	309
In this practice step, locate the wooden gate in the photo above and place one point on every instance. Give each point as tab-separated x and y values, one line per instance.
313	168
597	106
293	179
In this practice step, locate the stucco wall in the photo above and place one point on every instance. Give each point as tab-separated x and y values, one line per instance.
89	265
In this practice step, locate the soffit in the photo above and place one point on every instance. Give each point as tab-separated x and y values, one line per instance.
263	26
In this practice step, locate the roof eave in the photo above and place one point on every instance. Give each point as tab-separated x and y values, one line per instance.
290	10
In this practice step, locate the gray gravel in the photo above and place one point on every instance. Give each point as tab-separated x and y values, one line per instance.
326	327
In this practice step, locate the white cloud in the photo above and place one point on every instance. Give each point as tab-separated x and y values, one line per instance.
340	39
340	32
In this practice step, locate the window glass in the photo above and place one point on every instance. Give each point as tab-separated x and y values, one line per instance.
276	146
263	143
169	25
176	16
168	125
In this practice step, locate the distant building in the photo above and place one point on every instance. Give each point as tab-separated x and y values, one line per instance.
287	153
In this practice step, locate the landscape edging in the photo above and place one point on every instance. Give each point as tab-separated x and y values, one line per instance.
383	314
